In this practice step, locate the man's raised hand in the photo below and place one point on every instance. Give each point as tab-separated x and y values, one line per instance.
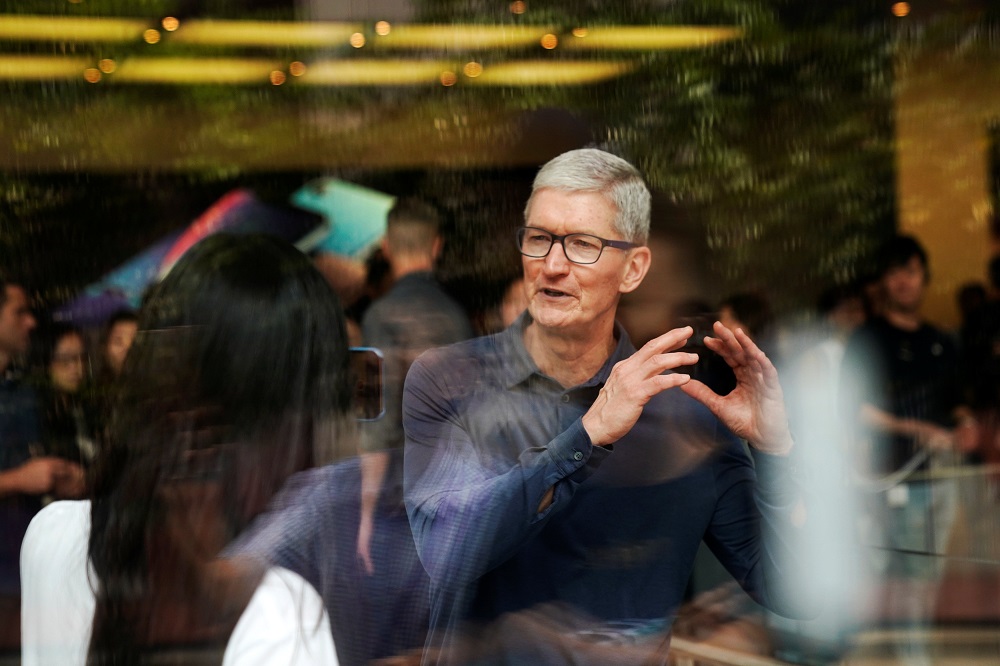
633	382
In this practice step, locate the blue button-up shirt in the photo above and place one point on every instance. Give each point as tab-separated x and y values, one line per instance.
487	435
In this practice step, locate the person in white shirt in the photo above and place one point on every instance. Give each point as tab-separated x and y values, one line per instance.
240	362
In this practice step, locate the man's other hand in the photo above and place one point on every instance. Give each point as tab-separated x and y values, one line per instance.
755	409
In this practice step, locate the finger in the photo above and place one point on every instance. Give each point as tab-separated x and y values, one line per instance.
760	359
669	361
669	341
751	351
669	381
739	351
703	394
721	350
732	344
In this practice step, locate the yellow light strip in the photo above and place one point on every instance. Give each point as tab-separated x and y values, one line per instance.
548	73
648	38
350	72
44	68
400	36
374	72
264	33
460	36
70	28
195	70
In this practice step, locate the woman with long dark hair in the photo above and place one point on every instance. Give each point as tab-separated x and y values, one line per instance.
67	411
240	359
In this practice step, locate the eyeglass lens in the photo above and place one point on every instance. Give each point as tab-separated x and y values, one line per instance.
579	248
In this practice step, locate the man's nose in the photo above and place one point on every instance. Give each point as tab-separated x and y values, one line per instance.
555	260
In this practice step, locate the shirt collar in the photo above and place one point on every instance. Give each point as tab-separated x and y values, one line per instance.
518	365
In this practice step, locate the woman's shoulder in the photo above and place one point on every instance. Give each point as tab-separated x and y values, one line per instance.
285	622
57	601
65	522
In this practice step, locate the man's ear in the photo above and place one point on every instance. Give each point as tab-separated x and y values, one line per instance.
385	248
437	247
636	269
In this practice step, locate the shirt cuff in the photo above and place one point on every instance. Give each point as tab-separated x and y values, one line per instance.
575	458
776	476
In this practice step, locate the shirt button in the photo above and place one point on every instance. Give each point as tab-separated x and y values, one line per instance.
577	456
565	397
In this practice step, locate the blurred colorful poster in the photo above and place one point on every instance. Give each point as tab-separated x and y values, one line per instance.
238	211
356	215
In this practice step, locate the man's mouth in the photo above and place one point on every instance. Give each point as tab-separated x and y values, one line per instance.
554	293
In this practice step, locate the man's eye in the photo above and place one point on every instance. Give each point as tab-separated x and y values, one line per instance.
584	244
539	238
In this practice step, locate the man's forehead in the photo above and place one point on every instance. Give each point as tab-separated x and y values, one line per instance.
577	208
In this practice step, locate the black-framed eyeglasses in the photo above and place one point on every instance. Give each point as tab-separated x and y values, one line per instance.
578	248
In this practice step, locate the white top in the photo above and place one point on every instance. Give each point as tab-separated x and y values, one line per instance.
284	623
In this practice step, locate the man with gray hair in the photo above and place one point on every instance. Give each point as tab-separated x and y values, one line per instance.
559	482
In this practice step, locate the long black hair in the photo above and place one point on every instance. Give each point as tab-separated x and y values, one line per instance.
241	354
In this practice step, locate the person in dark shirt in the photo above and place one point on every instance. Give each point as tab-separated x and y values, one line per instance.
24	477
559	482
415	315
902	395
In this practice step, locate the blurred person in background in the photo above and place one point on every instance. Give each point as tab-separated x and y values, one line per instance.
241	357
343	527
903	403
415	315
116	339
24	477
559	482
68	414
981	356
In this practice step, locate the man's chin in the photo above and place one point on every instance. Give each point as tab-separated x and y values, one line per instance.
549	320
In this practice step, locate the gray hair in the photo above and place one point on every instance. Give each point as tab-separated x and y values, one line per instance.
592	170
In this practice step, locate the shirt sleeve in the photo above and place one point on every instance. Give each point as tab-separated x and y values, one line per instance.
469	508
287	533
754	531
57	602
284	623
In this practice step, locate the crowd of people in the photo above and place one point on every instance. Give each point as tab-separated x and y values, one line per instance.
541	493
